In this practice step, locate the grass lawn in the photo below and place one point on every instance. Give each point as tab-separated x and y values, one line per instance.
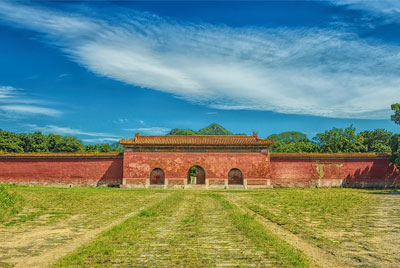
349	223
192	228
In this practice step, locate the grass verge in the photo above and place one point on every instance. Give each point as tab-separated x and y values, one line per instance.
48	205
106	249
315	214
10	203
284	254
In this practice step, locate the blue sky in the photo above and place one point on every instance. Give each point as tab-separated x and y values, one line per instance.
102	71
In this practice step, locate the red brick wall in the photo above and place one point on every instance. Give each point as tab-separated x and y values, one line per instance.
283	170
290	171
61	171
254	166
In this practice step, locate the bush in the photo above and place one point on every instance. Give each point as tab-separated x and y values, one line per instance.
10	203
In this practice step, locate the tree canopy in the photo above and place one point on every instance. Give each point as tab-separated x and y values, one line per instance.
396	116
39	143
335	140
213	129
339	140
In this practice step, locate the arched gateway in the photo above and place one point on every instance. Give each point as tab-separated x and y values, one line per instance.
157	176
211	157
196	175
235	176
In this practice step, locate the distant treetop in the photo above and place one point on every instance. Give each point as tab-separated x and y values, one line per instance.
213	129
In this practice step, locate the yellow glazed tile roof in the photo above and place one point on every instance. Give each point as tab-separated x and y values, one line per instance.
205	140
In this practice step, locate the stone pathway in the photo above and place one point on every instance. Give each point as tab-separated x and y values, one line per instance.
197	234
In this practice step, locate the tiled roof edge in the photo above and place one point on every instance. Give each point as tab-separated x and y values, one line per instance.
329	155
61	155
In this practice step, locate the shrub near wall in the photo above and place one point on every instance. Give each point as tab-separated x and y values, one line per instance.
10	203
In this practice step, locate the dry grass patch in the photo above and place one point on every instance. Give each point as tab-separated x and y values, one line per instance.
52	217
341	221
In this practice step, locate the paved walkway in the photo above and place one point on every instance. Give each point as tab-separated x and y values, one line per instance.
197	234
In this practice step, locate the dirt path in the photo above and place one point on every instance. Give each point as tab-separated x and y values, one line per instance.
41	246
319	257
378	243
198	233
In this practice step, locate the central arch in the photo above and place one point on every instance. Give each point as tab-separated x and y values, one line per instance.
157	176
235	176
196	175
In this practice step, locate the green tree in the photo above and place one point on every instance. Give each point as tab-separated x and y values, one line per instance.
214	129
10	142
177	131
69	144
292	142
395	149
105	147
396	116
90	148
35	142
377	140
339	140
395	139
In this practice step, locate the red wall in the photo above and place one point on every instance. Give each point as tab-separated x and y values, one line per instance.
328	172
254	166
61	171
282	170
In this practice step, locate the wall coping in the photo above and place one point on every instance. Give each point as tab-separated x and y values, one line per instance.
330	155
62	155
273	155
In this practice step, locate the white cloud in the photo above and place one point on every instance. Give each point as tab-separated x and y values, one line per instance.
390	9
121	121
29	110
151	130
321	72
100	140
69	131
14	103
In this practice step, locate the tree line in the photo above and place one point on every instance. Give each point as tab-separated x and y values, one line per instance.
39	143
335	140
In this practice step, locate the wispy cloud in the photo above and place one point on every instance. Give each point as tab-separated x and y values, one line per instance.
69	131
29	110
151	130
14	103
389	9
61	76
121	121
323	72
100	140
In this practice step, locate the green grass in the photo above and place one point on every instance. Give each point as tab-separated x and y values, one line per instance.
206	228
311	212
284	254
10	203
102	251
47	205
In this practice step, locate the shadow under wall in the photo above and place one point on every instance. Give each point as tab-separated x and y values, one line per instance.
113	175
379	175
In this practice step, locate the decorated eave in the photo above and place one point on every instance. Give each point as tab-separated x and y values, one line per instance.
196	143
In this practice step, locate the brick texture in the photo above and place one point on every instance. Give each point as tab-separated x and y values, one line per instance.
61	171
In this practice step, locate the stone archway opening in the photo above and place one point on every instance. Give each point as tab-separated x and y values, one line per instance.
157	176
235	176
196	175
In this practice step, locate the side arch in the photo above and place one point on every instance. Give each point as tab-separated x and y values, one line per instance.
157	176
235	176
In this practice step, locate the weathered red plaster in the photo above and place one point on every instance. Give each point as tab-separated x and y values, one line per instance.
333	172
281	170
138	165
61	171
